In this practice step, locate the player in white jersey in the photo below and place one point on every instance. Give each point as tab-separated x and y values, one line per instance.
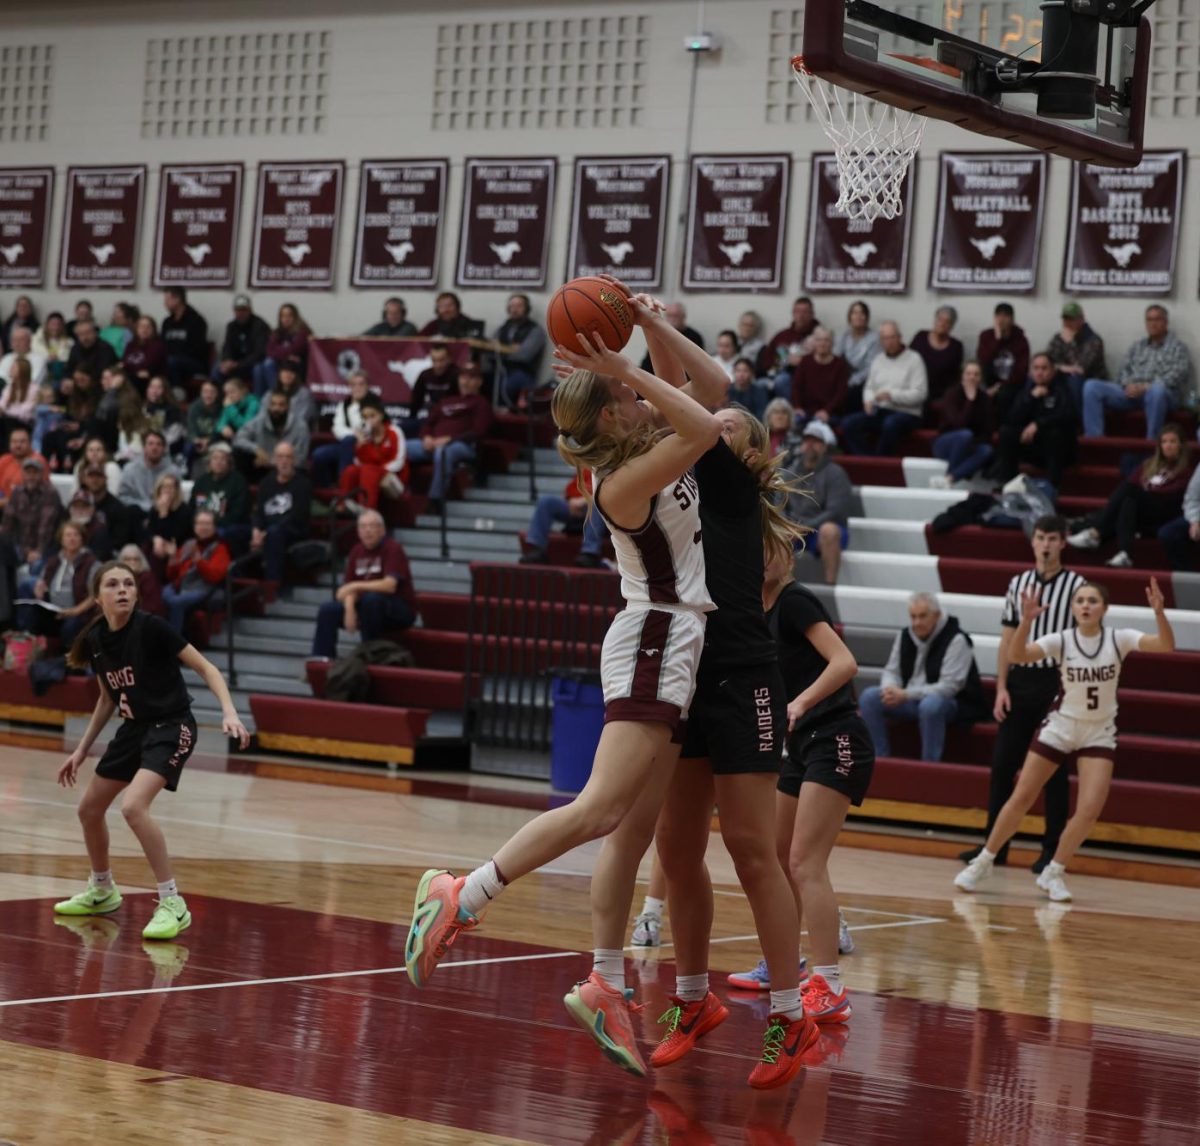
648	664
1082	722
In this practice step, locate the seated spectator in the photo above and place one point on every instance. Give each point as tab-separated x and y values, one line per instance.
146	355
255	443
379	459
185	333
449	320
149	588
132	423
18	400
941	352
282	512
520	345
239	409
64	433
1180	537
750	337
119	407
223	492
1040	426
63	583
244	346
893	397
576	514
438	381
393	323
330	460
119	331
90	351
95	453
857	344
289	339
54	344
376	595
82	313
31	515
745	391
23	317
290	381
119	521
21	348
140	478
451	432
726	353
930	678
820	381
783	353
1153	377
1144	503
202	418
825	497
194	570
1003	353
964	438
163	415
168	524
780	420
676	315
81	512
1077	352
12	464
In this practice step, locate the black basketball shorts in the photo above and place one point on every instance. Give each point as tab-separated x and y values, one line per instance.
160	746
838	753
738	719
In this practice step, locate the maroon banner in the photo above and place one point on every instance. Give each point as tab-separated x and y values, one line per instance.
736	222
619	219
296	225
196	235
988	231
505	230
401	205
392	365
844	254
101	224
25	197
1124	228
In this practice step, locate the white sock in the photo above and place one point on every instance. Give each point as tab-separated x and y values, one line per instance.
1054	868
102	879
654	907
168	888
787	1003
610	966
691	988
483	885
984	854
832	975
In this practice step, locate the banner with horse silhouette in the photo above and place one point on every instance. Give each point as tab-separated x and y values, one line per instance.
619	219
25	197
102	221
296	218
988	229
504	236
736	222
401	209
195	238
392	365
859	255
1123	231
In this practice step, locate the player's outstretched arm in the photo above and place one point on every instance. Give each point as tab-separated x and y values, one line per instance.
1164	640
1022	651
101	715
231	723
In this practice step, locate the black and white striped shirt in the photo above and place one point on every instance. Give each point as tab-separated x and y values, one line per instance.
1055	593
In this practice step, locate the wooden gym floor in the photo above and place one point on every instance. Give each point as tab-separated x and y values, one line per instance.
284	1015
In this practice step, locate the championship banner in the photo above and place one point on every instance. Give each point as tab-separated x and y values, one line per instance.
391	364
988	230
504	236
619	219
859	255
199	207
101	222
25	197
1124	228
401	206
296	224
736	222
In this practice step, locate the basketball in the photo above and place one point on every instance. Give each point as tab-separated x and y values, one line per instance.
589	306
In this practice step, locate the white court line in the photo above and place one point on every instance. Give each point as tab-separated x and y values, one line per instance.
271	982
916	921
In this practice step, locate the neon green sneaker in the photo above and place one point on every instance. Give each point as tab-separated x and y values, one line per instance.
92	900
171	916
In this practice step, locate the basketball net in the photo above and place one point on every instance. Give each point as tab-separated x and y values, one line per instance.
874	143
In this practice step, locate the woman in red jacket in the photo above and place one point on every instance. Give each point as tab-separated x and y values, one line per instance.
196	567
379	459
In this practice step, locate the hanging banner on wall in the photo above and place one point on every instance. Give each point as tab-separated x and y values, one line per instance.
392	364
196	234
25	197
988	231
736	222
619	219
296	224
1124	226
401	205
843	254
101	223
504	236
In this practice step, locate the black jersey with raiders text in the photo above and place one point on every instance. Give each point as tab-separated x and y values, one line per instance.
795	611
731	524
138	665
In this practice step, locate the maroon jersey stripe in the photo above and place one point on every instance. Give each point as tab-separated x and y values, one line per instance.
651	650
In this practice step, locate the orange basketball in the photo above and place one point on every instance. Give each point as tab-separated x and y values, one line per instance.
589	306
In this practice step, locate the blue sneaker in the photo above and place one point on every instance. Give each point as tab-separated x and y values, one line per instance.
760	979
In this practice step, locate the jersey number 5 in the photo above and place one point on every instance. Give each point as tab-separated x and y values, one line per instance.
1093	695
123	709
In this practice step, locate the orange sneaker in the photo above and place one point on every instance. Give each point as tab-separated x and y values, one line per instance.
606	1014
822	1005
784	1044
687	1023
437	922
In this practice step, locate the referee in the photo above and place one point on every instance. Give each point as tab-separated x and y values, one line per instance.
1024	693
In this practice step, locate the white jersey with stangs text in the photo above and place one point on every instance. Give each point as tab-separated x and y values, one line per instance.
1089	669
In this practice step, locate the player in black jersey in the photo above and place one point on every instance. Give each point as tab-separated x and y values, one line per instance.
136	658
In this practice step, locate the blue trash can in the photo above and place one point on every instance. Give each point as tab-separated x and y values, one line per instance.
578	720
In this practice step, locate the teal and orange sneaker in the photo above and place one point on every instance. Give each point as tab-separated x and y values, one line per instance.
437	922
170	917
686	1024
92	900
606	1014
784	1045
822	1005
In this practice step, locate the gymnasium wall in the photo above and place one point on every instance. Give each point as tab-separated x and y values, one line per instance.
385	81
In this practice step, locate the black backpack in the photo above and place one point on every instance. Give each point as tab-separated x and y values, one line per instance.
348	678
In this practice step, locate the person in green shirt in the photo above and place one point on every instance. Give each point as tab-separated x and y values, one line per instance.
240	408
